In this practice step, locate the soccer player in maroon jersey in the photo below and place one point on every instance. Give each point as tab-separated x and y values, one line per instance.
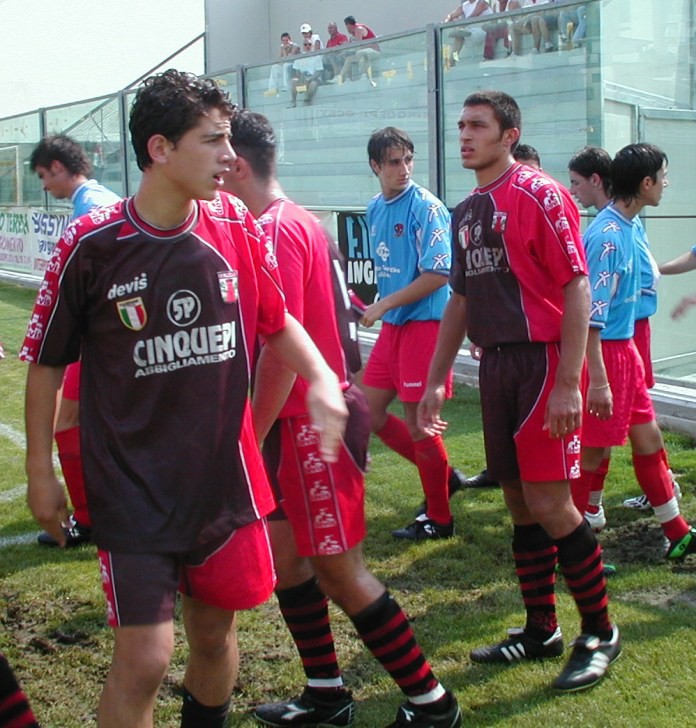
520	290
164	295
318	530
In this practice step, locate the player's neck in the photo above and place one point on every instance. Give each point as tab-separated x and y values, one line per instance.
492	172
629	209
161	210
263	196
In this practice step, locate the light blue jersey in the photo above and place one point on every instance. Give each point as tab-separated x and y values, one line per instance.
91	194
612	259
649	273
410	235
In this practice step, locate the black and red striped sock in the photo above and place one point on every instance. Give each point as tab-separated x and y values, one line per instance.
535	564
581	562
14	706
305	610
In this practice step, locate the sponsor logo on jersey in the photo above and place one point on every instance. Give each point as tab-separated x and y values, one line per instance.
398	230
437	236
183	308
132	313
229	285
382	251
200	345
139	283
329	545
607	248
35	330
270	257
306	437
412	385
538	183
45	294
313	464
574	473
525	174
551	200
603	279
499	222
325	519
319	491
573	446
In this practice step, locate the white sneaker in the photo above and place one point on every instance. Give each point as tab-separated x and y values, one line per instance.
641	502
597	520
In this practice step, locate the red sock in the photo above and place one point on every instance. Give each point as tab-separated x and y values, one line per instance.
656	482
70	455
431	459
395	435
580	489
597	487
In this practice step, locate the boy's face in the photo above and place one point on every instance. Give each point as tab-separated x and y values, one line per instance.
197	164
653	189
395	171
482	143
56	180
583	189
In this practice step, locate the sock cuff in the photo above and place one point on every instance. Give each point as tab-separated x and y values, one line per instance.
531	537
363	620
300	594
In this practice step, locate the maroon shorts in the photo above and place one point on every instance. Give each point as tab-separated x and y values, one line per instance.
631	399
234	574
324	502
641	337
71	381
401	357
515	382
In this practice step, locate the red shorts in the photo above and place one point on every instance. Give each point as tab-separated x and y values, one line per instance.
71	381
632	403
641	337
515	382
324	502
401	357
235	574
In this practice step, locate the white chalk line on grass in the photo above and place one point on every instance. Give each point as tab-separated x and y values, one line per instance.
20	540
16	438
13	494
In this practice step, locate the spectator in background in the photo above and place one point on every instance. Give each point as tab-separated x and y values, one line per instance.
308	74
569	18
467	9
309	35
537	24
63	167
333	62
496	30
364	56
281	73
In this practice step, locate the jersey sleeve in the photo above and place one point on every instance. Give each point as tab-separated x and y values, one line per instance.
432	232
55	329
294	262
602	248
271	310
457	279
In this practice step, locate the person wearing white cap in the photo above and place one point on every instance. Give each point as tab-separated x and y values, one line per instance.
307	34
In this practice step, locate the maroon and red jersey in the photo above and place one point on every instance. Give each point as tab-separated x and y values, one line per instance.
166	322
315	290
516	243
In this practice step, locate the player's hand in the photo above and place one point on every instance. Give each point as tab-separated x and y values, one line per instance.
47	502
563	410
429	408
476	352
373	313
329	414
600	401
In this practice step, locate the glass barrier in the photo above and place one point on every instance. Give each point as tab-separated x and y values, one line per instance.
323	132
553	75
96	125
228	81
18	184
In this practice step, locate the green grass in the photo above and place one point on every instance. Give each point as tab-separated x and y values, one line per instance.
459	594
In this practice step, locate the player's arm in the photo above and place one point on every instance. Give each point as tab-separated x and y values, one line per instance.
423	286
683	306
327	409
273	383
450	336
599	396
681	264
45	495
564	407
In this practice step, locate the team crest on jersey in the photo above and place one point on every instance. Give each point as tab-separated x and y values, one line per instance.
398	230
499	222
132	313
229	285
464	236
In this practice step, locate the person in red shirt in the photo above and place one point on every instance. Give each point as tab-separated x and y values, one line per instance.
333	62
319	527
364	56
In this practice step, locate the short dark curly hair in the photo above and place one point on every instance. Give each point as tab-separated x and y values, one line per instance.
170	104
60	148
253	138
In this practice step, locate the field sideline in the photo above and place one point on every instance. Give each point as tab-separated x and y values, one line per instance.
459	594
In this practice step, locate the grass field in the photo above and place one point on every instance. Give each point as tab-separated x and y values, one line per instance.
459	593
